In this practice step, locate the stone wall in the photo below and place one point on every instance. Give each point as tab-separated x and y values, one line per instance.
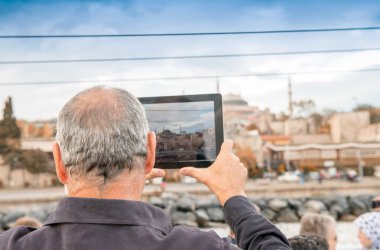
205	211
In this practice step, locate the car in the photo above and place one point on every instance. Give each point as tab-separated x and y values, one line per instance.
289	176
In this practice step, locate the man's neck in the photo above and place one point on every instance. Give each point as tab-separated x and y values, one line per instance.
125	187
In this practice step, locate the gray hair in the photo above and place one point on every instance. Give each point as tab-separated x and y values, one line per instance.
317	224
101	132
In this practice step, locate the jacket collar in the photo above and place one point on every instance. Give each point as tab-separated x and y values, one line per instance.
110	211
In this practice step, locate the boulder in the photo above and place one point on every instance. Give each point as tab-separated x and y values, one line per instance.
185	204
357	206
157	201
261	203
277	204
186	219
314	206
11	217
202	217
205	203
215	214
268	213
287	215
295	204
41	213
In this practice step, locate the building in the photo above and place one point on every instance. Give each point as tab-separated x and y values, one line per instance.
345	127
37	129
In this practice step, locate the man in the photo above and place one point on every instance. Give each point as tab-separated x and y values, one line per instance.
320	225
103	155
308	242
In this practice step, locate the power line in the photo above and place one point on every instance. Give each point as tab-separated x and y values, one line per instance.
190	33
90	60
268	74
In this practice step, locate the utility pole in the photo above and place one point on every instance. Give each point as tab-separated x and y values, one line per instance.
289	118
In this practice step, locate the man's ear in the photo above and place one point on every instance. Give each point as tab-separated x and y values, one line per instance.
150	152
59	167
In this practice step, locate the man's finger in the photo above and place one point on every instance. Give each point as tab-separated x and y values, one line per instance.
155	173
227	146
196	173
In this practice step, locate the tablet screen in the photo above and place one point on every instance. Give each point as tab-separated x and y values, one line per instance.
185	132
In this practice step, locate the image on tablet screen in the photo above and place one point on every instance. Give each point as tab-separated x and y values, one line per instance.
185	131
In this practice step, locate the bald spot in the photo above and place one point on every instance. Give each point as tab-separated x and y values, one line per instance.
97	107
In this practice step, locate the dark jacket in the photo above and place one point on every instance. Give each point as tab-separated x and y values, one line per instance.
81	223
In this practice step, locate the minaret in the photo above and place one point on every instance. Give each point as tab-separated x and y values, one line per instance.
217	85
290	98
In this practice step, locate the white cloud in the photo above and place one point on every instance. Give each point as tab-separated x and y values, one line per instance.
44	101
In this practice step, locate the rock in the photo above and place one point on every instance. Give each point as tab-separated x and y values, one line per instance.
365	199
171	207
41	213
169	196
205	203
186	219
314	206
277	204
357	206
185	204
339	207
202	217
268	213
261	203
336	211
157	201
11	217
294	204
215	214
287	215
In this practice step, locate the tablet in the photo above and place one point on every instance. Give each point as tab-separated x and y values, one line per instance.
189	129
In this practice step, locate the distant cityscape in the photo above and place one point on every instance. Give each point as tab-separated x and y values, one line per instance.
264	141
185	146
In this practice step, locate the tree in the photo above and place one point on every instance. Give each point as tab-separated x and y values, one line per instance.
8	126
363	107
9	131
304	107
373	111
34	161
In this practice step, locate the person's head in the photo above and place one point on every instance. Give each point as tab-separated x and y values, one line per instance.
369	229
320	225
27	222
308	242
376	204
103	137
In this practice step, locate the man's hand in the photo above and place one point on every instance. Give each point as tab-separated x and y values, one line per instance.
155	173
225	178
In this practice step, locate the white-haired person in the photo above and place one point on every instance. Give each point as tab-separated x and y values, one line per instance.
369	227
320	225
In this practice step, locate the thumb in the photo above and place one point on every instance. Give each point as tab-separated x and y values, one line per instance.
196	173
155	173
227	146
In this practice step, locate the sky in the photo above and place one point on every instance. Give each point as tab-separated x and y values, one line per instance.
340	91
190	117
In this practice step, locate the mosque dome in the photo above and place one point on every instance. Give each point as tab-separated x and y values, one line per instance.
234	100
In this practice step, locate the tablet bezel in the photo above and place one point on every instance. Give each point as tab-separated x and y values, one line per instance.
218	114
